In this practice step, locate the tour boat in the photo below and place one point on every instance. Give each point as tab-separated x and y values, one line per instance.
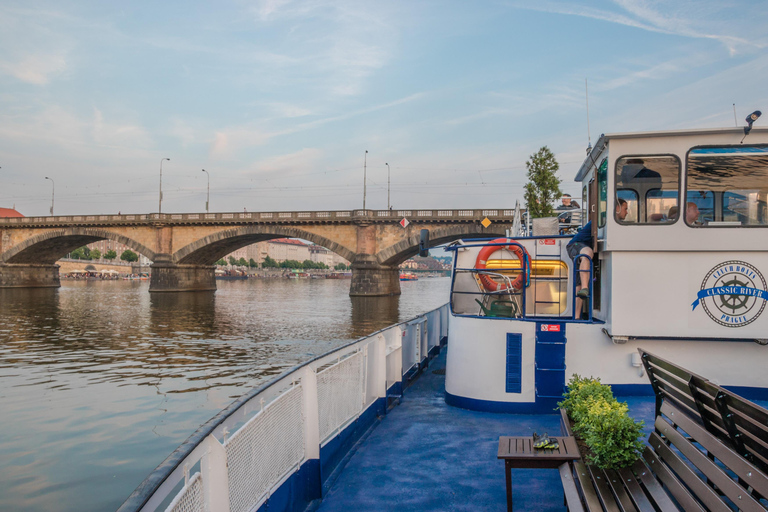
409	277
679	273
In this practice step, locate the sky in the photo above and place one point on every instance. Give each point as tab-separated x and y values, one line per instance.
279	100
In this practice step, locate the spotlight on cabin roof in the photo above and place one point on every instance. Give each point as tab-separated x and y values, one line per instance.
751	118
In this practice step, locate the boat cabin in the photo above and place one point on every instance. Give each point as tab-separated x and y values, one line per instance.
679	255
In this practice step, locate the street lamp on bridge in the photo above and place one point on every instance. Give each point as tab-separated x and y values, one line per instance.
208	194
160	204
365	177
388	204
53	191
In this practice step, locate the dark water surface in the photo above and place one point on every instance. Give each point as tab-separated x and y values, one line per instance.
101	380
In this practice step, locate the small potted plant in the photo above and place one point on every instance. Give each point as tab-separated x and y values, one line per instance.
607	435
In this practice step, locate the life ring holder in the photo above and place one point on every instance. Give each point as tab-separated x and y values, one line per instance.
482	260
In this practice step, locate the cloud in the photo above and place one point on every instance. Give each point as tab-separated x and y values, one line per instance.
340	43
674	18
35	69
117	135
301	160
229	141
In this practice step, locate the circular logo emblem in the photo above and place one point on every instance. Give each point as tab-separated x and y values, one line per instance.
733	294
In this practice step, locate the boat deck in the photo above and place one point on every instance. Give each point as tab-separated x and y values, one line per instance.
426	455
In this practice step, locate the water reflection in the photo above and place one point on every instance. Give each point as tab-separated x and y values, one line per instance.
370	314
101	380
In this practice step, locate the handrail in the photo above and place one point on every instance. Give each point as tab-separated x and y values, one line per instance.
158	477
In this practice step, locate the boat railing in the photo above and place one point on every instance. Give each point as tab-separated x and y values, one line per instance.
545	294
238	458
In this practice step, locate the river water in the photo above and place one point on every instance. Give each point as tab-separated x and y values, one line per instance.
101	380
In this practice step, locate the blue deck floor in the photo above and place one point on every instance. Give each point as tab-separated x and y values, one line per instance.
425	455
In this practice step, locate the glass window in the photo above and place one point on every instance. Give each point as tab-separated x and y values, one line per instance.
630	196
727	186
650	185
602	192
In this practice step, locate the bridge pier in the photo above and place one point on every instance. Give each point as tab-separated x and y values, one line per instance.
372	279
15	275
171	277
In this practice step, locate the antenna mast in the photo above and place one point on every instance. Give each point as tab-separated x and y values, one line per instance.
589	137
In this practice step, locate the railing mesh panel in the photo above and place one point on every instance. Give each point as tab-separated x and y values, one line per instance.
190	499
340	393
265	449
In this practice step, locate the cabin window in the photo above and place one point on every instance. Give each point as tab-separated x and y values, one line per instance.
602	192
728	186
650	185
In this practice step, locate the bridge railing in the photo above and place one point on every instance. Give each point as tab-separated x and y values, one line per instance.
241	456
267	217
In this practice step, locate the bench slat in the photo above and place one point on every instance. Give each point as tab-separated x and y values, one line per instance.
676	489
634	489
603	490
588	490
701	490
725	453
569	488
653	487
707	467
621	492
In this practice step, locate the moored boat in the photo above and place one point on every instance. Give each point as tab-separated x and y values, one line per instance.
676	265
682	282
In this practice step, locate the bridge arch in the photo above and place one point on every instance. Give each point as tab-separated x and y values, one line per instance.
49	247
396	254
209	249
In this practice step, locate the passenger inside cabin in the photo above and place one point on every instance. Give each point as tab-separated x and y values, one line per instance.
582	243
673	213
691	214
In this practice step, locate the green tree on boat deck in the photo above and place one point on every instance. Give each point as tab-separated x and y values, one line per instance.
543	187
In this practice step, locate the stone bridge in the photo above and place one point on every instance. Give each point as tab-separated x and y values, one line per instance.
184	247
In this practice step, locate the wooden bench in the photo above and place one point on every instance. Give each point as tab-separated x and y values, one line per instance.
691	462
731	418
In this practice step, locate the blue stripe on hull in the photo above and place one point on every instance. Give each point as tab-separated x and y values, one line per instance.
541	406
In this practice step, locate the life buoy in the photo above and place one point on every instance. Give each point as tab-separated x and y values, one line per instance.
482	260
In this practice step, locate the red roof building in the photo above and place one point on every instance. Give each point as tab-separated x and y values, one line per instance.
9	212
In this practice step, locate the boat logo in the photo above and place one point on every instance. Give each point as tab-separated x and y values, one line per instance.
733	294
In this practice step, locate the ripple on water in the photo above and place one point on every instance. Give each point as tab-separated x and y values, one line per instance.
100	381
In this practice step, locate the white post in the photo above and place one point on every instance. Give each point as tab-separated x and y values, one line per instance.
378	385
311	413
215	476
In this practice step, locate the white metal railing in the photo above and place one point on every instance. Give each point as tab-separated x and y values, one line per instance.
238	458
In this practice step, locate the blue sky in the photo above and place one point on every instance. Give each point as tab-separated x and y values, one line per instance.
279	100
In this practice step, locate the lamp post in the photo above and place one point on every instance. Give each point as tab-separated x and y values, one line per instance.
53	191
388	205
208	194
365	177
160	204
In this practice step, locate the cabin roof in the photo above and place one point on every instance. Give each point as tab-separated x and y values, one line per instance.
594	154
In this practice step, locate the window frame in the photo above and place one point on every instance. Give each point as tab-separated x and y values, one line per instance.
714	200
645	199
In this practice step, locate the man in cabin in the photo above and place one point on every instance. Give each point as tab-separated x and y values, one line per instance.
567	204
582	243
691	214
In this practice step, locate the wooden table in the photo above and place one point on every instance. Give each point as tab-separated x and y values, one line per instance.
518	452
